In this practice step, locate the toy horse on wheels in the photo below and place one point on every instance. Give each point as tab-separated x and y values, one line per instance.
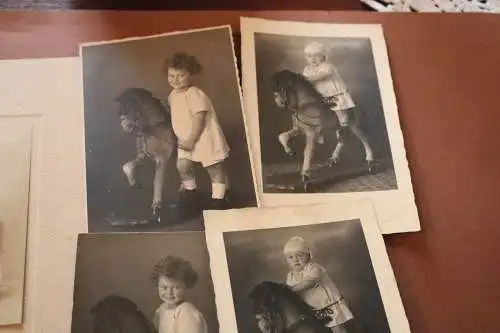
311	117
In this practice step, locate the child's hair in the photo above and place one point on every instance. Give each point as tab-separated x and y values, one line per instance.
175	268
181	60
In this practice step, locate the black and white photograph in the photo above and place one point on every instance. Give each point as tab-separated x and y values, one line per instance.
15	148
303	269
143	283
164	131
321	111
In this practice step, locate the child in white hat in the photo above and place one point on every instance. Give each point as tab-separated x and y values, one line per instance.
328	82
311	281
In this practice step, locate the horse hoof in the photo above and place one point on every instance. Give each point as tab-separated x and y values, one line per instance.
156	214
372	166
305	182
137	185
332	162
290	153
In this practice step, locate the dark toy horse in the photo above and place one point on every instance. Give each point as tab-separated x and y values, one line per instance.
310	117
116	314
278	309
144	115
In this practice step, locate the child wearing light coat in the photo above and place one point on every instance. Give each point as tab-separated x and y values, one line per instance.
312	282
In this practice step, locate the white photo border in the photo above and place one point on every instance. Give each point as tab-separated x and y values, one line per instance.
247	219
396	209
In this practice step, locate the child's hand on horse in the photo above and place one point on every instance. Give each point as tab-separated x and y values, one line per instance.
186	145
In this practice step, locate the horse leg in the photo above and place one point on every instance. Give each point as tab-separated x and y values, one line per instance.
311	137
285	137
366	145
332	161
129	170
159	180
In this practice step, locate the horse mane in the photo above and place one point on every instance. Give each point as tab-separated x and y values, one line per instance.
286	79
133	96
265	293
112	311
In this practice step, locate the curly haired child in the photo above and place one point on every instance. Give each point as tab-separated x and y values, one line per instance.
173	277
197	128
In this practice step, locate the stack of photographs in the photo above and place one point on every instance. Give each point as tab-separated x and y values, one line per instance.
219	207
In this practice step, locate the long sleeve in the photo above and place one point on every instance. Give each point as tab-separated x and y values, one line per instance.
319	72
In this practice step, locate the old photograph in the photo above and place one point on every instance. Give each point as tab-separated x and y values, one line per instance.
154	283
303	269
164	131
15	148
322	115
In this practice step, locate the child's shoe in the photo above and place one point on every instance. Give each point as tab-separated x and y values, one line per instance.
189	203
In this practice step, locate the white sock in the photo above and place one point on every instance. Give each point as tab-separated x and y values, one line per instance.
218	190
189	184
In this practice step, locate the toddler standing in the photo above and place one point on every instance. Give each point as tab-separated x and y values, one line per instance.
173	277
197	128
328	82
311	281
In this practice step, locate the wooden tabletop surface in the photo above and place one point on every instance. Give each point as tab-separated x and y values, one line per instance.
446	73
183	5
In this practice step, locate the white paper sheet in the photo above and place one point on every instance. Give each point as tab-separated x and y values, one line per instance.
47	94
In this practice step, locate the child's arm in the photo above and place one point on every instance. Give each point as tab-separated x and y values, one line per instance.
191	321
312	276
198	126
320	73
304	285
199	105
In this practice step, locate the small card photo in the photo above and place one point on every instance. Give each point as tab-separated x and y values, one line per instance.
164	131
319	268
322	118
143	283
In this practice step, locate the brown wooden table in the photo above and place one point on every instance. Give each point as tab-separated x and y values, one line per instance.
184	4
446	72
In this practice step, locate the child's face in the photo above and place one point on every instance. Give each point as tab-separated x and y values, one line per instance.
297	260
178	78
171	291
314	59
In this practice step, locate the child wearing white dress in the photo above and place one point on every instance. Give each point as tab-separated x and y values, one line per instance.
328	82
174	276
311	281
197	128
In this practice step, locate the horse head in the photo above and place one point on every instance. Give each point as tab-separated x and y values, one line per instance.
284	85
116	314
278	308
138	109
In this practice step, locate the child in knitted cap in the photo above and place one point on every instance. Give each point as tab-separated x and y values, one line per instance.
311	281
328	82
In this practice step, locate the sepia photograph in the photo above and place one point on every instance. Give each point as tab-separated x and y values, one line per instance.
164	131
321	112
15	149
154	283
303	269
